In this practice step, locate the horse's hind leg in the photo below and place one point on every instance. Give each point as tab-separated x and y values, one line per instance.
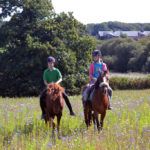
86	119
86	114
89	117
102	119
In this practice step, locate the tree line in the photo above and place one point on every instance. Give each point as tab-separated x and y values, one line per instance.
116	26
127	55
36	31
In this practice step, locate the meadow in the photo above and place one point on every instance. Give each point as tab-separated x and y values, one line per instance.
126	127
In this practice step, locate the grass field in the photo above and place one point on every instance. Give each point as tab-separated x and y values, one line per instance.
126	127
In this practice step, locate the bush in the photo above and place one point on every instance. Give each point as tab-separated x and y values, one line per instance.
74	83
130	83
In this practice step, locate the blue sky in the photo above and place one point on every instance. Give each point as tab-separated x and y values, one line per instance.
97	11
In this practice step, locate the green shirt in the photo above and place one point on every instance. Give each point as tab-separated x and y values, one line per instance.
51	75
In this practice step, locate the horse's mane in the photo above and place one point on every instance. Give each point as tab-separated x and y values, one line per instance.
98	81
54	90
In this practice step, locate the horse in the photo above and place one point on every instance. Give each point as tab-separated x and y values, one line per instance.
54	104
100	101
98	104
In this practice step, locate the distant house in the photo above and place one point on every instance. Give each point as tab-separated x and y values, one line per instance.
132	34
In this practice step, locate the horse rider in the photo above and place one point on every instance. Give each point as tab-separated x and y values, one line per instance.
96	67
53	75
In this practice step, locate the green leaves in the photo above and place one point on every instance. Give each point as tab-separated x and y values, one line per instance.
124	54
30	37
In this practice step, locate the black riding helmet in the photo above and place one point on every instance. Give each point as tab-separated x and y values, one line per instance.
51	59
96	53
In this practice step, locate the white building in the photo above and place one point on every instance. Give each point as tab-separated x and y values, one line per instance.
132	34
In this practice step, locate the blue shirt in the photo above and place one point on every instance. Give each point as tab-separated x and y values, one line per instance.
97	67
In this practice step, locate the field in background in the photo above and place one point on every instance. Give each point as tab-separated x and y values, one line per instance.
130	75
126	127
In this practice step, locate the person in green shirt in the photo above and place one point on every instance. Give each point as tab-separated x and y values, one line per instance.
53	75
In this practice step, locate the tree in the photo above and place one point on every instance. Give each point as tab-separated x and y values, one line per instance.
40	9
30	37
123	54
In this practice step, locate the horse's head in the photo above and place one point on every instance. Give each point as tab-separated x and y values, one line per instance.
54	90
103	87
101	84
100	79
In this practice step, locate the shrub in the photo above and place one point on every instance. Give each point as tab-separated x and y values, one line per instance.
130	82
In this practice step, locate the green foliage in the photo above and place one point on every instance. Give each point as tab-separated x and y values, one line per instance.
40	8
130	83
125	54
35	31
30	37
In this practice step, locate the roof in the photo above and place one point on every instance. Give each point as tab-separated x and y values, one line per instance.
119	33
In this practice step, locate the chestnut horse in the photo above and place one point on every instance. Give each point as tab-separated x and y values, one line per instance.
54	104
98	104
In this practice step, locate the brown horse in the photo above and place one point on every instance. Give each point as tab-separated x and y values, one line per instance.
98	104
54	104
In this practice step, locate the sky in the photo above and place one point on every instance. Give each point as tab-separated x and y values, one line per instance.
97	11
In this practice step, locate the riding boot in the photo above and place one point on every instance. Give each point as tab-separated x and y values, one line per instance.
109	107
68	104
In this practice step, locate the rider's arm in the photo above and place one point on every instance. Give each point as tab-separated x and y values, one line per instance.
91	71
106	71
59	76
46	83
59	81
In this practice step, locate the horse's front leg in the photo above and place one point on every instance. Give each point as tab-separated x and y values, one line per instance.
102	119
97	121
52	124
58	124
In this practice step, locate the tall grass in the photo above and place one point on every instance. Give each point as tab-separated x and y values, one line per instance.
127	126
